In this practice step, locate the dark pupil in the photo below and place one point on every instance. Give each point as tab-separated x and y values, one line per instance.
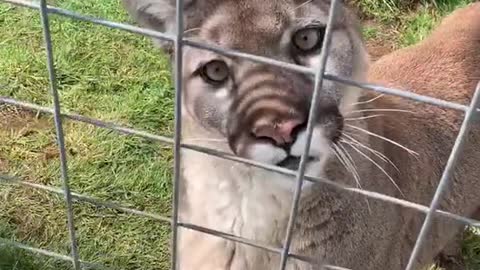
216	72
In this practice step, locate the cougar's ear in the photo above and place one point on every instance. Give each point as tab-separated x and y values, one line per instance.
156	15
159	15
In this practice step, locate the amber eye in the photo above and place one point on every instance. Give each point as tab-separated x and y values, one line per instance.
309	39
215	72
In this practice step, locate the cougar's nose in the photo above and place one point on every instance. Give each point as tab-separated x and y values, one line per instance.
282	132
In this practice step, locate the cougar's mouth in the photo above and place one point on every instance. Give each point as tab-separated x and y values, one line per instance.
292	162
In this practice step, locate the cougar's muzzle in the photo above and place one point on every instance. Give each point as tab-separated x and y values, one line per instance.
268	118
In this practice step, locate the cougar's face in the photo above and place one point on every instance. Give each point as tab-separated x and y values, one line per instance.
262	110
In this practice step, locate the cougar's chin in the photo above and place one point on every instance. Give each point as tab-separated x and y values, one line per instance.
290	158
293	163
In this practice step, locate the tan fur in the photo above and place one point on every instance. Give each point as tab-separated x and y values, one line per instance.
333	226
446	65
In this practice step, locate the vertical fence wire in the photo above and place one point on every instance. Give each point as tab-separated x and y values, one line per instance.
178	129
312	116
59	131
446	176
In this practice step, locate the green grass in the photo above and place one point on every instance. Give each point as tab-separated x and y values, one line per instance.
383	10
405	21
114	76
471	248
418	25
408	22
102	73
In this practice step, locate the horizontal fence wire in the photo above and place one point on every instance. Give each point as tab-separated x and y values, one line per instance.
6	179
84	198
54	255
88	265
229	156
145	135
179	41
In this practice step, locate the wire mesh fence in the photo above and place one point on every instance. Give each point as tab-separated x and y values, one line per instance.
471	112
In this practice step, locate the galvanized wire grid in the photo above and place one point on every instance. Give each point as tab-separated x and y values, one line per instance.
470	112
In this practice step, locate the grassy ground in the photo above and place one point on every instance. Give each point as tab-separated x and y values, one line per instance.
115	76
105	74
393	24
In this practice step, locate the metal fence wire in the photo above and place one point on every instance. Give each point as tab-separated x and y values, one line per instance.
470	111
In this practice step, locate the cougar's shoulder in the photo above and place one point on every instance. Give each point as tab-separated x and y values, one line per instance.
445	65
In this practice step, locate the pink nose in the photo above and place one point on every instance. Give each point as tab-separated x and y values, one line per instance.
282	133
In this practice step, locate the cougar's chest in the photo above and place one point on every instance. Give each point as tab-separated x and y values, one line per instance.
235	198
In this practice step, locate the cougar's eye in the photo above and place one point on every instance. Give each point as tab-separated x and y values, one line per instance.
309	39
215	72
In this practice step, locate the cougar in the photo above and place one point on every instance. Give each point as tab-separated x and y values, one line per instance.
259	112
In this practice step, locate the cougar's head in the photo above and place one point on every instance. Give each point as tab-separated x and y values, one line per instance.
262	110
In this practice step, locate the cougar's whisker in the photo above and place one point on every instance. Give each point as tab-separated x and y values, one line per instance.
350	159
191	30
382	110
379	167
353	171
363	117
303	4
337	155
204	140
368	101
413	153
373	151
350	167
341	158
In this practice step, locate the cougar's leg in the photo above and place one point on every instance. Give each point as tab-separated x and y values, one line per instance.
451	256
476	215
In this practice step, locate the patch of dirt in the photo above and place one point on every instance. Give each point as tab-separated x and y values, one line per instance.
383	44
41	224
378	48
49	153
15	123
21	121
3	164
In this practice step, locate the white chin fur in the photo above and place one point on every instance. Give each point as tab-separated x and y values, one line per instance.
266	153
318	148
